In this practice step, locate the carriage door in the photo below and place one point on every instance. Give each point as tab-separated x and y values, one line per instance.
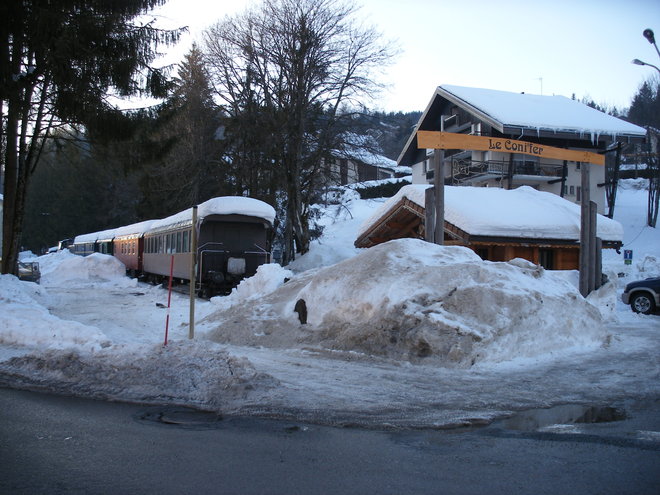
212	250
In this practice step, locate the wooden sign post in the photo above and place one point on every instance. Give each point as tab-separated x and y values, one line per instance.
438	141
435	140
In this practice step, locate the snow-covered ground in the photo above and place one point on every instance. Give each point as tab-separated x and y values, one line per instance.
403	334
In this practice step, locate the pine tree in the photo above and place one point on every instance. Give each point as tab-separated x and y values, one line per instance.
191	171
58	62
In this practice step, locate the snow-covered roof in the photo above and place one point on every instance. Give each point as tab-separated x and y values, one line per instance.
555	113
520	115
135	229
95	236
520	213
224	205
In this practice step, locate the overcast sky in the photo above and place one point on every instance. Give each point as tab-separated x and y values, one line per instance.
565	47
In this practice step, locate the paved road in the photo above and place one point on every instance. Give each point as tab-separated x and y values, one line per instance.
51	444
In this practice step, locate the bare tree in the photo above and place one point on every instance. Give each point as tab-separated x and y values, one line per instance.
287	72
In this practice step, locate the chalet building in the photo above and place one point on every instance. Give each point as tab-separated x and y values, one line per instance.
546	120
498	224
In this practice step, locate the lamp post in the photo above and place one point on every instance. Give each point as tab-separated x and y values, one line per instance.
639	62
648	34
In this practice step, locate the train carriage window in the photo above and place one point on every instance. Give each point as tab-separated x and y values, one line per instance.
178	242
186	246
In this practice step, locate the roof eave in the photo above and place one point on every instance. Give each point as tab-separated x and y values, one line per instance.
411	154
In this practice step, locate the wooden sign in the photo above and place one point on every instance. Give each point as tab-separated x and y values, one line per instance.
451	141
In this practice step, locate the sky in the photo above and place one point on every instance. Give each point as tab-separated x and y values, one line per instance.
563	47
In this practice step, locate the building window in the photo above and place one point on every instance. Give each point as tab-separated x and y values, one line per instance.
547	259
579	194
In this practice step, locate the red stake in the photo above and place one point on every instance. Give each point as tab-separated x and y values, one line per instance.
169	299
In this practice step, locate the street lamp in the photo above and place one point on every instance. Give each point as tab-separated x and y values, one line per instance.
648	34
639	62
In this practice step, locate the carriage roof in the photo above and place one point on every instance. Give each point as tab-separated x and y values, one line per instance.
224	205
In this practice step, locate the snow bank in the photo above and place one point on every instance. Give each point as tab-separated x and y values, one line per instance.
191	373
407	299
267	278
64	268
24	320
642	240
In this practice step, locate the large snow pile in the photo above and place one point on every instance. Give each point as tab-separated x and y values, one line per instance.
408	299
26	320
63	268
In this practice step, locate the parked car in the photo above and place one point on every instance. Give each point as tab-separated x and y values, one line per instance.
29	271
643	295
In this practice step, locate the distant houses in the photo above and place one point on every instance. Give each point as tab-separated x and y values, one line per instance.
549	120
358	160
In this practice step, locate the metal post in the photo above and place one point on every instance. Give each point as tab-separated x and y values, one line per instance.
593	212
585	236
439	186
429	214
599	263
193	272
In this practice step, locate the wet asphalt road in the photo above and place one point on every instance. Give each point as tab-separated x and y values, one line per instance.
51	444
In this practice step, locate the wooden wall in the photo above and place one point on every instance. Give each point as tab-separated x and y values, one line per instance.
563	258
